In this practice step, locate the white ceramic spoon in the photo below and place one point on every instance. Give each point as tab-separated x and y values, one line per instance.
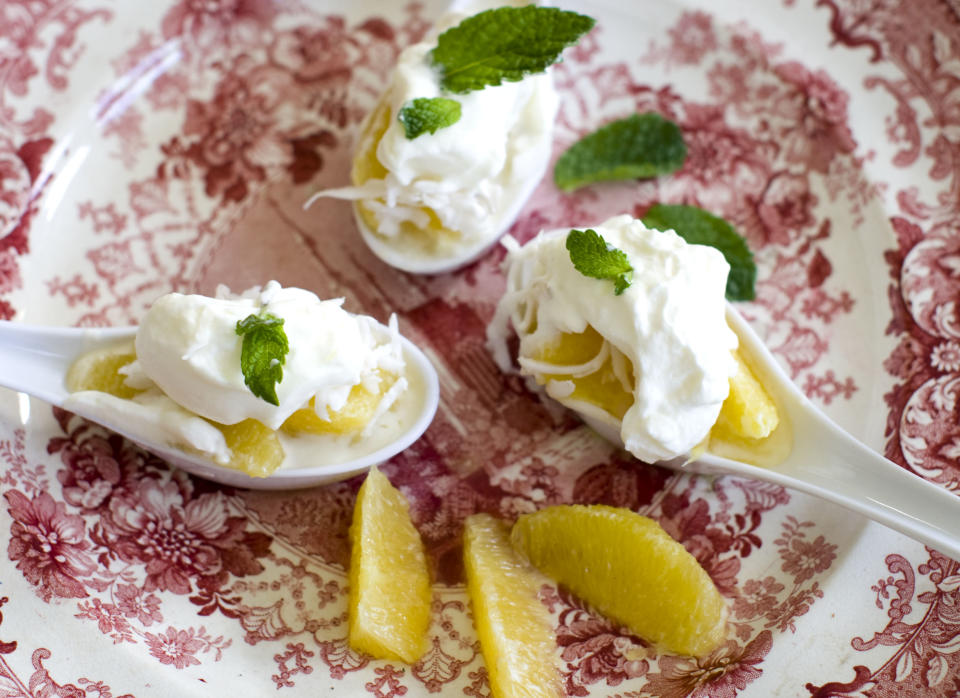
535	155
35	361
827	462
414	262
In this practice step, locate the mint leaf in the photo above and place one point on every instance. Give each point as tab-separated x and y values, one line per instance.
428	114
641	145
264	350
698	227
504	44
593	257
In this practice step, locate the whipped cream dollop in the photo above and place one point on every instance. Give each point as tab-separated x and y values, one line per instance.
670	323
188	346
188	367
473	175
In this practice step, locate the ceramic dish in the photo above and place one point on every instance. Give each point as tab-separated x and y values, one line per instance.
149	147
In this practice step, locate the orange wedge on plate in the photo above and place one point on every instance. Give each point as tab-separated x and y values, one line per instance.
516	635
389	610
629	569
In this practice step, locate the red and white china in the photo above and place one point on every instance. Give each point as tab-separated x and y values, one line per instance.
150	147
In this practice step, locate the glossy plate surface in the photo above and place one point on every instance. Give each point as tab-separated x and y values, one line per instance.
148	147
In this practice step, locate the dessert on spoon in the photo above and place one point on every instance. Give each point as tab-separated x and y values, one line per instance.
460	137
628	327
273	389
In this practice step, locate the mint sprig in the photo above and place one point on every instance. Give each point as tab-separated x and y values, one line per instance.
641	145
698	227
428	115
593	257
504	44
264	350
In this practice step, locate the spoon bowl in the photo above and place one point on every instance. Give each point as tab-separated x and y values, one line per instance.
416	261
36	360
825	461
531	157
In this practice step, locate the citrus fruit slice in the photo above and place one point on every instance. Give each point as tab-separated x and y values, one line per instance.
629	569
352	417
601	387
100	370
748	412
389	610
254	447
367	166
516	636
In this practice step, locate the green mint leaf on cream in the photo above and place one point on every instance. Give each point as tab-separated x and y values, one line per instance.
504	45
428	115
639	146
699	227
262	354
593	257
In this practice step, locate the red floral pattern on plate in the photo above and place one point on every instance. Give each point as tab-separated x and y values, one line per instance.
923	42
49	545
212	123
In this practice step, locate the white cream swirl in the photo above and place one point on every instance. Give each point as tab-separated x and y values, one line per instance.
472	176
670	324
188	346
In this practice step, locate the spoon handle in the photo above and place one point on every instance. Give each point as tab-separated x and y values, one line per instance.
35	358
864	481
829	463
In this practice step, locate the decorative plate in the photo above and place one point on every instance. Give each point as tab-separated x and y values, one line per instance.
149	147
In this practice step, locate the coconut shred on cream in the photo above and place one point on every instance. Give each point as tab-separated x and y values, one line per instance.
188	373
448	195
665	338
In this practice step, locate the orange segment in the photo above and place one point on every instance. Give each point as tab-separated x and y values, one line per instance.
367	166
389	610
516	636
365	163
353	417
571	349
100	370
630	569
601	388
254	447
748	412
